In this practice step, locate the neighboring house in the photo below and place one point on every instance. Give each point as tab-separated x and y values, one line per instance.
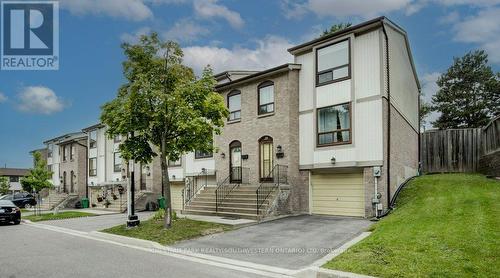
67	158
14	176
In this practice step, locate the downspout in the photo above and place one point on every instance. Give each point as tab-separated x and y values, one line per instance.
388	117
419	127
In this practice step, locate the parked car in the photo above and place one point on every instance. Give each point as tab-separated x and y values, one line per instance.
21	199
9	212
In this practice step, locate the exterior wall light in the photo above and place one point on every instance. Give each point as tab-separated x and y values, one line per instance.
279	152
222	155
333	160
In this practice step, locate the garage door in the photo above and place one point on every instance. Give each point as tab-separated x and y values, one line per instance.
176	190
338	194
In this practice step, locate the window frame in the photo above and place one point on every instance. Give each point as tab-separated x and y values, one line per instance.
117	138
262	85
72	152
229	95
198	155
171	163
114	163
93	172
318	84
65	156
318	145
92	145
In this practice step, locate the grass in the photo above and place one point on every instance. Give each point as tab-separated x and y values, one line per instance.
60	215
181	229
445	225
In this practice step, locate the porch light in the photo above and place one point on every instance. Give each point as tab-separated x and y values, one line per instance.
148	170
279	152
222	155
333	160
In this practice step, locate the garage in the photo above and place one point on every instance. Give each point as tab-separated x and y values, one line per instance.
176	190
338	194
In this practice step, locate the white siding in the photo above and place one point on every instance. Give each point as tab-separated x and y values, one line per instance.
366	64
368	131
306	139
332	94
306	81
404	89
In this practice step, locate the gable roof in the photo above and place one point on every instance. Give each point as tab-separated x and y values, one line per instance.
13	172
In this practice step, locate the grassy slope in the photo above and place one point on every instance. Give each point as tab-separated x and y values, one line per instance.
445	225
60	215
181	229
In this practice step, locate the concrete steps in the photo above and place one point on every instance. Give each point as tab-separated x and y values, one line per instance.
52	200
240	203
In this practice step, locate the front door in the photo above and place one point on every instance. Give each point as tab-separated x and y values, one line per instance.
235	162
266	158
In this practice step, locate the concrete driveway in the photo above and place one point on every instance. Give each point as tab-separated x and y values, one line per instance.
292	242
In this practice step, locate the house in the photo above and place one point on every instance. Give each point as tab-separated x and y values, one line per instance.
67	158
341	123
14	176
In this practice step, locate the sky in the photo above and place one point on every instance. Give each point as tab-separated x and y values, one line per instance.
227	34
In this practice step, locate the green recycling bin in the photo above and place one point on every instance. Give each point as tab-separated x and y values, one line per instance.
161	202
85	203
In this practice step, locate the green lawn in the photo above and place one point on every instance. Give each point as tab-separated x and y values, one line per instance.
181	229
445	225
60	215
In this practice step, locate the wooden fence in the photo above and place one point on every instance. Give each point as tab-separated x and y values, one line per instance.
458	150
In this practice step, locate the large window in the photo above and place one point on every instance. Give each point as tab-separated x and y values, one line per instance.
93	139
14	179
334	125
234	105
202	154
332	63
174	163
117	162
266	97
65	152
73	151
50	149
93	166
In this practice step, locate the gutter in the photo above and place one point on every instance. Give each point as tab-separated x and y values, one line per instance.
388	118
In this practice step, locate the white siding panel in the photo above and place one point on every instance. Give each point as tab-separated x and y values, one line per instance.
194	166
306	81
335	93
404	89
366	65
345	153
306	139
368	130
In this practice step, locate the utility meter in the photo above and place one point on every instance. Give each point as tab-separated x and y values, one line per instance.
377	171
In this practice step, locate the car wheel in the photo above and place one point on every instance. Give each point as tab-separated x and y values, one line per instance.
27	206
17	222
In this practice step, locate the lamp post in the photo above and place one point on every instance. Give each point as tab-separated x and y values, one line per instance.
133	220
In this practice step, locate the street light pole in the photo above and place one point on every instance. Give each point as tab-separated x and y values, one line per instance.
133	220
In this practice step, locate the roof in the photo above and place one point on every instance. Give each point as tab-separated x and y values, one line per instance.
92	127
260	74
66	137
13	172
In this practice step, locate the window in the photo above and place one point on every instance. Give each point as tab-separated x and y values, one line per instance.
332	63
266	158
117	162
65	152
202	154
73	151
14	179
93	166
266	97
93	139
174	163
334	125
50	148
117	138
49	168
234	105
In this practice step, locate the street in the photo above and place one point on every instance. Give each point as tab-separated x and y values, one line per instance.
30	251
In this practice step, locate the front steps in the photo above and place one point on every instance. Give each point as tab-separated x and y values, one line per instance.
52	200
240	203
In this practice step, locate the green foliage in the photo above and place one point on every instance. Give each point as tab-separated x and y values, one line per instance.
38	177
425	110
160	214
336	27
444	225
4	185
168	110
469	93
60	215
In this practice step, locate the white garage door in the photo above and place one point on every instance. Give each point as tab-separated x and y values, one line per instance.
338	194
176	190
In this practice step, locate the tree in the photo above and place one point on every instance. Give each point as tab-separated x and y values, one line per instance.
469	93
167	109
38	177
425	110
4	185
336	27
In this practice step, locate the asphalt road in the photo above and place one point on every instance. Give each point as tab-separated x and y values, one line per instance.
28	251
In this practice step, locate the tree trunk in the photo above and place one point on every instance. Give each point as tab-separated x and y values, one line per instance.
166	184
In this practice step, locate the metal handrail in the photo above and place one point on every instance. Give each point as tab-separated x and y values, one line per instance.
191	187
237	176
277	176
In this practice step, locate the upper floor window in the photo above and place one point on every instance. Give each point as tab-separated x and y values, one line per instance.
14	179
202	154
50	149
333	63
93	139
174	163
266	97
334	125
117	162
72	153
117	138
234	105
93	166
65	152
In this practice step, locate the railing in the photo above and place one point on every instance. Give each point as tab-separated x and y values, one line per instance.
277	176
237	176
193	186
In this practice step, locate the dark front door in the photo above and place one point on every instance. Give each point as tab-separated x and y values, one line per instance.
235	162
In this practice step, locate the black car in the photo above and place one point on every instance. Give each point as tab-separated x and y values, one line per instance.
22	199
9	212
